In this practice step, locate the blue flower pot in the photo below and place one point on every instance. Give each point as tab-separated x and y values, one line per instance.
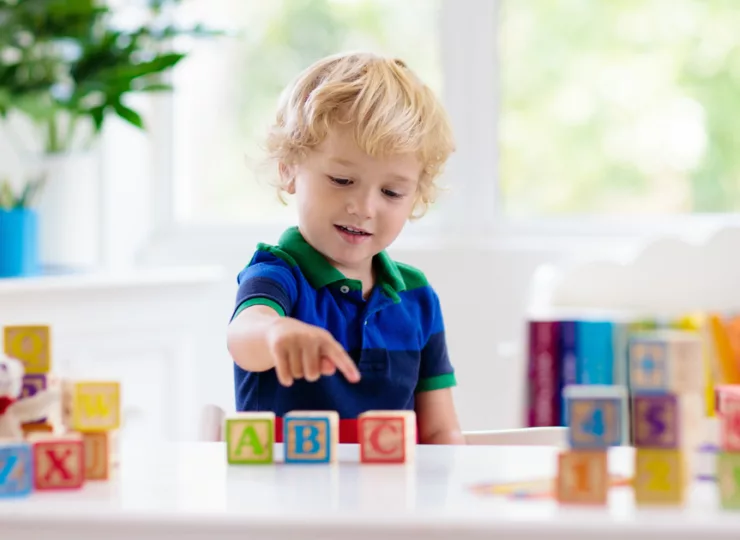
19	243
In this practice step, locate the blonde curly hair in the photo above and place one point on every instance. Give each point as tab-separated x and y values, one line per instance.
390	110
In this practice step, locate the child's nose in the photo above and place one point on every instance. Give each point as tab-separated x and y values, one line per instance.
362	205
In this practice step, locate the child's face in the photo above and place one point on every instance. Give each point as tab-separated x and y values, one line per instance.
338	186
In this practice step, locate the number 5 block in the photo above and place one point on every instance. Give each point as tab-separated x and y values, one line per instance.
595	415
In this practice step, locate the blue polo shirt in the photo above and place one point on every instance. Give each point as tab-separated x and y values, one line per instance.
396	337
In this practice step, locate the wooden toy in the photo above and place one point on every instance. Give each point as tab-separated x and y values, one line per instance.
387	436
667	361
37	427
34	383
667	420
250	438
31	345
311	436
661	476
91	405
100	453
58	461
582	477
729	423
723	392
595	415
16	469
728	478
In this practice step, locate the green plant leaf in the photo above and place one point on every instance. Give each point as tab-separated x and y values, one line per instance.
130	115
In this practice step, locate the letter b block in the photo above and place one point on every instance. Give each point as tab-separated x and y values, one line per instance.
311	436
91	406
16	469
250	438
594	415
387	436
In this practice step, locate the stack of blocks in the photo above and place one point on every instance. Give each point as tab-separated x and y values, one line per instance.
728	458
594	416
65	452
667	381
313	437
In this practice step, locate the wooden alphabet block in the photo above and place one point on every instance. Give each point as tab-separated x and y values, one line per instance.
667	361
31	345
16	469
595	415
729	424
661	476
37	427
667	420
311	436
583	477
722	393
728	479
387	436
34	383
100	450
250	438
91	405
59	461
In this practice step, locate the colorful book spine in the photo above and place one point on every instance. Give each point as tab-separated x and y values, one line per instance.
544	374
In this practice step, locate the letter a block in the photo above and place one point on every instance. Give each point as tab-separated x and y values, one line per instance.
59	461
583	477
595	415
16	469
660	477
91	405
728	477
30	345
311	436
250	438
387	436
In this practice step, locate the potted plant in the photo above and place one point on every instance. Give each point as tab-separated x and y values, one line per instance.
67	66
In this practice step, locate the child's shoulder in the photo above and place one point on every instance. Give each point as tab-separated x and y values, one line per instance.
415	281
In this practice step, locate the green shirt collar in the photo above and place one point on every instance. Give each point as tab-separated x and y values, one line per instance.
320	273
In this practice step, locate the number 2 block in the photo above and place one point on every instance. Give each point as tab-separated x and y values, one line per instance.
583	477
660	477
595	415
311	436
250	438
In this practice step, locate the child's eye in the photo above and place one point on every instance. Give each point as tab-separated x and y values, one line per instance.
340	181
392	194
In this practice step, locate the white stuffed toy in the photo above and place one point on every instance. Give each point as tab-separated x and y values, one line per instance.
16	411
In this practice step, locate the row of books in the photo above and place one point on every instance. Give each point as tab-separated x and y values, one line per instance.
591	350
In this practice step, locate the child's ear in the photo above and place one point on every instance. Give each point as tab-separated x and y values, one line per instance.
287	177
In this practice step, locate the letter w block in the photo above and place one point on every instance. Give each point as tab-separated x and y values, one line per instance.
311	436
387	436
91	405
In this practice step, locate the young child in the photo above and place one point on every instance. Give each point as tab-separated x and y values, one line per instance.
326	320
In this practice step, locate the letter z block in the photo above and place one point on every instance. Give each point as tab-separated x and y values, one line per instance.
728	477
661	477
59	461
311	436
595	415
250	438
30	345
387	436
667	420
16	469
583	477
91	405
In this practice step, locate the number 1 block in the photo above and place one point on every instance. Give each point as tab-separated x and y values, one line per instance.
387	436
583	477
595	415
311	436
16	469
250	438
661	477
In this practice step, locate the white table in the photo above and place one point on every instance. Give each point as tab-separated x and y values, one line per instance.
186	491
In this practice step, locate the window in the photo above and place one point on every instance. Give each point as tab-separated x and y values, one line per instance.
619	107
227	89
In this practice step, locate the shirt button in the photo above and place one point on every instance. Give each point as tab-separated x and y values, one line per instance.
365	322
344	289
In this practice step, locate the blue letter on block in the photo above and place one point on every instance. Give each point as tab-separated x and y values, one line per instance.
16	470
307	440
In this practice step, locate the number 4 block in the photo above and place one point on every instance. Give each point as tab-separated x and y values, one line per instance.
595	415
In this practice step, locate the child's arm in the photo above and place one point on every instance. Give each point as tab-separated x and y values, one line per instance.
246	338
437	419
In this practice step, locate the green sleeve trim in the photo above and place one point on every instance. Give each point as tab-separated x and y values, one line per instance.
436	383
259	302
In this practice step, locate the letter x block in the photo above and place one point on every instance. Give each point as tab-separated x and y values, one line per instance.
59	461
595	415
91	405
387	436
250	438
311	436
16	469
30	345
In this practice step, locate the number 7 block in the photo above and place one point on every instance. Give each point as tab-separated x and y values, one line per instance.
595	415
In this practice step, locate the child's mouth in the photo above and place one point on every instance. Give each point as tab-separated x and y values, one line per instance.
352	234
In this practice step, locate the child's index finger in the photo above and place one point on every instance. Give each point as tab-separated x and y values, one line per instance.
343	361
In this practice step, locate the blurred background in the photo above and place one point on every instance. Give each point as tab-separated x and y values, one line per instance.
132	187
